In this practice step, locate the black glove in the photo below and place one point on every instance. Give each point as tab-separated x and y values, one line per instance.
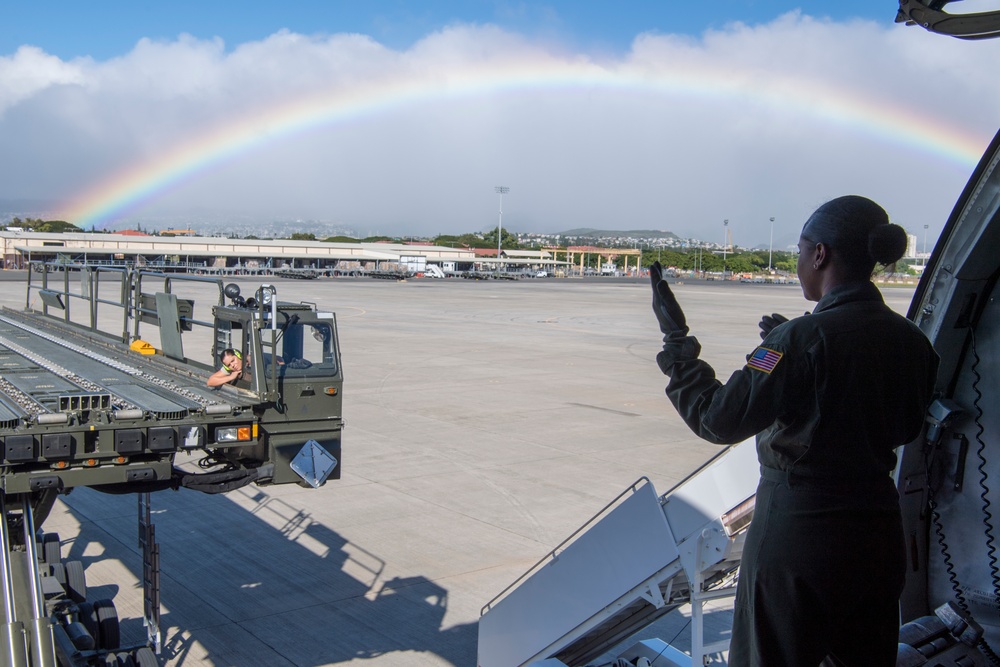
768	322
668	312
676	348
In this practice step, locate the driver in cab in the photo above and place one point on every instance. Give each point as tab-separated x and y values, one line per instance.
232	369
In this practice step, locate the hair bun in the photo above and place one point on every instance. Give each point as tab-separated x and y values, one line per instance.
887	243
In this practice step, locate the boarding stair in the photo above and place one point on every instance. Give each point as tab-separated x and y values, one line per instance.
642	556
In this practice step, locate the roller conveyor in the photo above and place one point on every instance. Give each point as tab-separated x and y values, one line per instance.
45	367
79	408
10	413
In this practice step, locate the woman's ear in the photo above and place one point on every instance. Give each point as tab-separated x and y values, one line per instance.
821	256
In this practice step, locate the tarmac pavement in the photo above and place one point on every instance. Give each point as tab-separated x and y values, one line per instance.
486	421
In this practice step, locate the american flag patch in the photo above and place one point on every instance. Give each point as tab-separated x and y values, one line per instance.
764	359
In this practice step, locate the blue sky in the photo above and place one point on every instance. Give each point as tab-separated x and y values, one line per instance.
109	28
401	118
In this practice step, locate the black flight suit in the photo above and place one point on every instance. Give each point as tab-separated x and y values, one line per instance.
829	396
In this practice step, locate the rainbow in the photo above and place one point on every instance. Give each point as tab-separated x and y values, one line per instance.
143	182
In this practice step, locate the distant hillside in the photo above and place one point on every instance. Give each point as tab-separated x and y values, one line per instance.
629	233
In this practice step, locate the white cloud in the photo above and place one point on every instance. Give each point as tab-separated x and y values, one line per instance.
745	123
30	71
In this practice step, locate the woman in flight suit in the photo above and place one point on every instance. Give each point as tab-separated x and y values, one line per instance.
829	396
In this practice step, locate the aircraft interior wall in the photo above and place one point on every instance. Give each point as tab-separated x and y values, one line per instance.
964	545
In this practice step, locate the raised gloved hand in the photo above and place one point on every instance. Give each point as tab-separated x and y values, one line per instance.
668	312
768	322
677	345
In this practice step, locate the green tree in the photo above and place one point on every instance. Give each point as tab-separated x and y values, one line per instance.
507	240
303	236
757	259
340	239
906	266
668	257
464	241
55	227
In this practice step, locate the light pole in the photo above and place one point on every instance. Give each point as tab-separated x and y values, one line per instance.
725	237
501	190
770	246
925	243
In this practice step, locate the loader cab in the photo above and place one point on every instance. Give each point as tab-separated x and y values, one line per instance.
283	344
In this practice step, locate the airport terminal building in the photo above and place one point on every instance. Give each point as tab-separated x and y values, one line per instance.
222	255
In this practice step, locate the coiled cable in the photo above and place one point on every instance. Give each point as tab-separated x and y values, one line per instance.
984	495
949	566
987	516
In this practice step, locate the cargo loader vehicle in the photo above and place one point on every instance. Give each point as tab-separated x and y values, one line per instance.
96	391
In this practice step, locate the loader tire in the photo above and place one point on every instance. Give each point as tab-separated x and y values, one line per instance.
107	623
76	581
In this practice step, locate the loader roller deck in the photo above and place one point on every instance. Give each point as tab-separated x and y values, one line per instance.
79	408
45	368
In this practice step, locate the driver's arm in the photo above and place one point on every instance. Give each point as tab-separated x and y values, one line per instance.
221	377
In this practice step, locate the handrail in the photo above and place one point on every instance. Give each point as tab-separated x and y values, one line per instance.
92	298
95	299
123	295
45	288
139	311
633	488
129	298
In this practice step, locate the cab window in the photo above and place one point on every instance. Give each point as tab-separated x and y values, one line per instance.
308	350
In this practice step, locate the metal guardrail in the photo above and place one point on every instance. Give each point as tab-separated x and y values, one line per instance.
90	287
168	283
555	552
129	295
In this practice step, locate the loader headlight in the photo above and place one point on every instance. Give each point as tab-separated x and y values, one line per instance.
234	434
265	294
